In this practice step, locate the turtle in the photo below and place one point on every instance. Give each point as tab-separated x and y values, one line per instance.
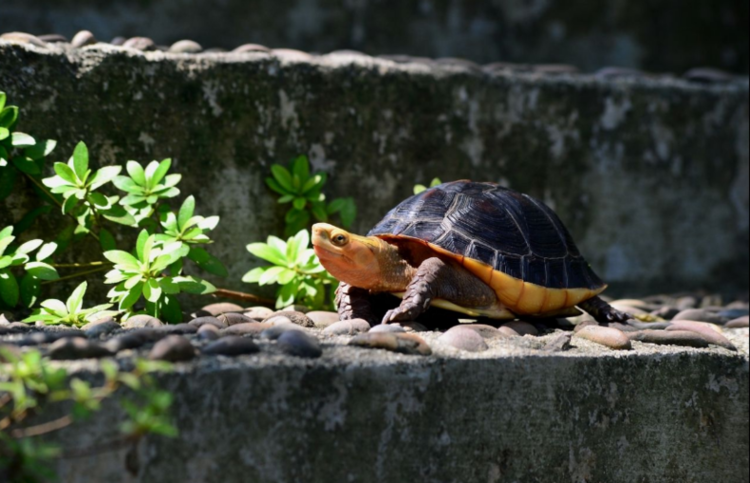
474	248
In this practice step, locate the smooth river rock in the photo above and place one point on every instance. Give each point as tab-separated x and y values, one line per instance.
606	336
173	348
464	339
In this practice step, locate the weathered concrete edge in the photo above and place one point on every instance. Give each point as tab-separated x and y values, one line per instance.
376	417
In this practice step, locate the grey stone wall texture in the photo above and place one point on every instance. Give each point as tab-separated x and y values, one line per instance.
656	35
650	174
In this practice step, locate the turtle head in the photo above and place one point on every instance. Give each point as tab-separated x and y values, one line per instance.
356	260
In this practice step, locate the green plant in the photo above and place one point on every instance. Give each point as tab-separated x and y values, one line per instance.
296	268
304	190
54	312
14	259
154	272
420	188
29	386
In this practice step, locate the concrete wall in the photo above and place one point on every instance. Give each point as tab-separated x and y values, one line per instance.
650	175
672	416
660	35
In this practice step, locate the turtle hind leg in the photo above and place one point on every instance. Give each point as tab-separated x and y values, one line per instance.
603	312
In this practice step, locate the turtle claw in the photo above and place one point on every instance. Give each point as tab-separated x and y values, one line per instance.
400	314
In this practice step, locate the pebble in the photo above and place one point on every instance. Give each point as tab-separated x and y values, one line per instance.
82	39
296	308
294	317
250	328
141	321
409	344
684	303
208	332
634	303
259	313
273	333
731	314
486	331
348	327
555	69
619	73
133	340
251	48
24	38
323	319
708	331
77	348
708	75
173	348
140	43
222	308
118	41
39	338
19	327
182	329
638	325
101	327
231	318
519	328
560	343
208	320
666	312
700	315
741	323
413	327
464	339
387	329
186	47
300	344
456	62
291	54
670	337
231	346
53	38
607	336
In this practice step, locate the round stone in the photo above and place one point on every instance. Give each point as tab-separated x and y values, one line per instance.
222	308
670	337
709	75
24	38
741	323
296	308
231	346
387	329
290	316
134	339
53	38
464	339
688	302
173	348
347	327
77	348
486	331
82	39
699	315
182	329
291	54
259	313
666	312
619	73
186	47
118	41
709	332
520	328
208	332
101	327
249	328
140	43
300	344
409	344
559	343
555	69
229	319
606	336
208	320
323	319
251	48
276	331
141	321
413	327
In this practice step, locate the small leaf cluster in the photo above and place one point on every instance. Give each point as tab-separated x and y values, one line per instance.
296	268
147	187
420	188
71	312
14	259
304	191
153	272
29	385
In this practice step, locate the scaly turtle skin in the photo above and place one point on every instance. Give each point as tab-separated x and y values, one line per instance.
474	248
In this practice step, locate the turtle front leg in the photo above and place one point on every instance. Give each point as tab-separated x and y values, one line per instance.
603	312
354	303
436	279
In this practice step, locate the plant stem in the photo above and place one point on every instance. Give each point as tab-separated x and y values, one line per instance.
243	297
42	429
76	275
81	265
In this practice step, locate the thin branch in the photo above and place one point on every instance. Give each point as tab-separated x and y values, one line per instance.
77	275
243	297
81	265
42	429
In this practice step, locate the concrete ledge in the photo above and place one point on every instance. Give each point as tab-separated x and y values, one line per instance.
650	175
510	414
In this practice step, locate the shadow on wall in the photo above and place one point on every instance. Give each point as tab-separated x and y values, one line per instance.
660	35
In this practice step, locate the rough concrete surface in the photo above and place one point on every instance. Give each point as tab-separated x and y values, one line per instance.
650	175
658	35
511	414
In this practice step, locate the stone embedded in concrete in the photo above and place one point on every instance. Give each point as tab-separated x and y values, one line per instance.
646	173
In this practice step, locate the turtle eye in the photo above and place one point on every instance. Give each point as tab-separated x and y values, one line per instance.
340	240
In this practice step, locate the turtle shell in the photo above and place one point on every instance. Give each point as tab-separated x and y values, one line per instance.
513	242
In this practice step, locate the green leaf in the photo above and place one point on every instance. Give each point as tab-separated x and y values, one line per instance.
301	168
107	241
66	172
9	290
3	98
41	149
348	212
55	307
186	212
171	310
319	212
21	140
46	251
136	172
29	247
5	243
158	174
69	205
283	177
4	134
42	271
131	297
300	203
208	262
104	176
123	259
75	302
7	182
140	244
253	276
209	224
8	117
26	165
435	183
119	215
271	275
5	261
152	291
31	288
268	253
275	186
126	184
